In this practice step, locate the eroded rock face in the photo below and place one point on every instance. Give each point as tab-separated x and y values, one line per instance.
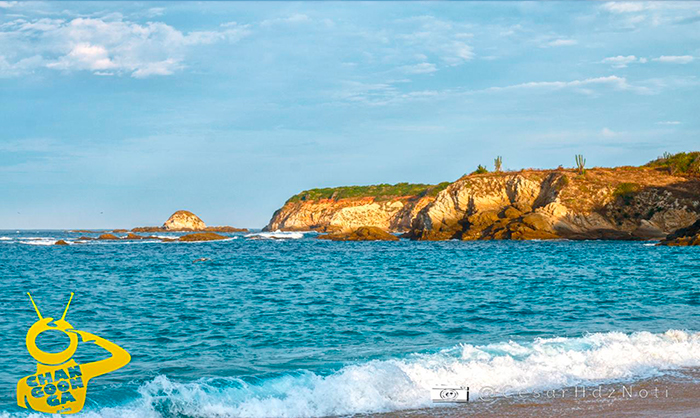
365	233
620	203
347	215
606	203
184	220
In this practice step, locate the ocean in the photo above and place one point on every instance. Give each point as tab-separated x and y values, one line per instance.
283	324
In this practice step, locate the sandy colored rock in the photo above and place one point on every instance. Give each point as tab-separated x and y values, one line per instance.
120	231
60	242
537	221
546	204
132	236
203	236
225	229
349	214
510	213
108	237
184	220
365	233
148	229
622	203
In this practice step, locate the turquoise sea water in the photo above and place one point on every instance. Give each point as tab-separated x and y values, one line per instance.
306	327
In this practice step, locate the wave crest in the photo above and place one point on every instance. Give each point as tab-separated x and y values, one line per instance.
399	384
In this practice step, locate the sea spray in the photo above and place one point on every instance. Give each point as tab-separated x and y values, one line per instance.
399	384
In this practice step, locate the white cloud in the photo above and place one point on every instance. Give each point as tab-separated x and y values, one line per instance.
622	61
155	11
422	68
675	59
85	57
442	40
668	122
7	4
563	42
108	45
625	7
293	19
581	86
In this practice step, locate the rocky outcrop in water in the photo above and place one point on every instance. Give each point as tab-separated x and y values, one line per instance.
186	221
684	237
203	236
108	237
365	233
630	203
619	203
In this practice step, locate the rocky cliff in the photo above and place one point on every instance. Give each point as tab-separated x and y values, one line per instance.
389	207
619	203
602	203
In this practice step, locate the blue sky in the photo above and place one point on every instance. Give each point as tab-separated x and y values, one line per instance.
118	114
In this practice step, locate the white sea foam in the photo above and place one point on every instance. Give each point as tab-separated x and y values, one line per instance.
399	384
5	239
39	241
277	235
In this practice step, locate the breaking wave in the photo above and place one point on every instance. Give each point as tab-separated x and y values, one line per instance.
276	235
400	384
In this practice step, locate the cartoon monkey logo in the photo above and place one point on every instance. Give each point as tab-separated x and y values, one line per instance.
60	384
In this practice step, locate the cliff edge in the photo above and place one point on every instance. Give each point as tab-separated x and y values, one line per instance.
388	207
603	203
647	202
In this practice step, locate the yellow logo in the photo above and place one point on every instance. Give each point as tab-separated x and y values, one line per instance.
60	384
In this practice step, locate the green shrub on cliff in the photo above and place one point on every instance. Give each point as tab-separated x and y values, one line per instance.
379	191
480	170
626	191
681	163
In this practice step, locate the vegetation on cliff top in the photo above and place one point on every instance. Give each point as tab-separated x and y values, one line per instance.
379	192
681	163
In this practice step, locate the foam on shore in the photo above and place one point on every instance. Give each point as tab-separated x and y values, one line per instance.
401	384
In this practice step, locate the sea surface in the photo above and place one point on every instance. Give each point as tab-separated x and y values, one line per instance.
283	324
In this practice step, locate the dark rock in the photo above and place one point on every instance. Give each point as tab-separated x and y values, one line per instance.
688	236
225	229
364	233
202	236
61	242
132	236
148	229
107	237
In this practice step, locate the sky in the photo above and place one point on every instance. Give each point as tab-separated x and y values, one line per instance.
117	114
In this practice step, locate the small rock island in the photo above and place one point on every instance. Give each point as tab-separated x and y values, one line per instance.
180	221
186	221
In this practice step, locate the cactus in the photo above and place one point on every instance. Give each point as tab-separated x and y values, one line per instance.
498	163
580	164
